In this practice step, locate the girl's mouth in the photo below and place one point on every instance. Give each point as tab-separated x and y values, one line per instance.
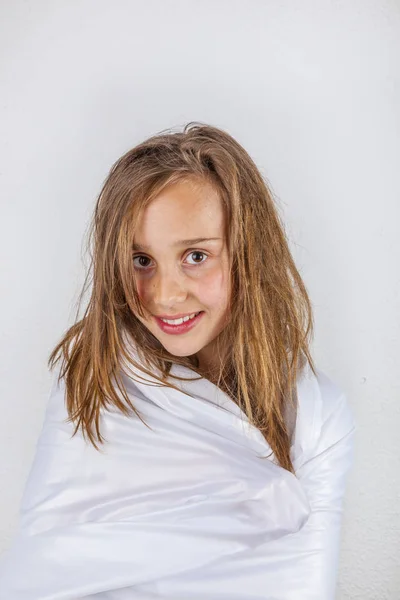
182	326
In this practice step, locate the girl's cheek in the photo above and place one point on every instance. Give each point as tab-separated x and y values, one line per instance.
141	289
213	288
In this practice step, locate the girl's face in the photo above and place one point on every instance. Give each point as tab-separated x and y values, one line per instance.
182	267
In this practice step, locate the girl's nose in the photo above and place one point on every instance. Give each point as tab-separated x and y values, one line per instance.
168	290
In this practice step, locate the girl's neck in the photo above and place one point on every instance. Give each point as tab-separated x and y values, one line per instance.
208	364
210	369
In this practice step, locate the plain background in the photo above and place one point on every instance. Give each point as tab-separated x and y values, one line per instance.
312	90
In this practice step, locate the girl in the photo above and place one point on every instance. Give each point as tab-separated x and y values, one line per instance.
190	447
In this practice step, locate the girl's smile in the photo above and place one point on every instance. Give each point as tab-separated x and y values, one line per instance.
179	325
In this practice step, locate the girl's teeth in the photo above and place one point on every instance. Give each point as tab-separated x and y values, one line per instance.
180	321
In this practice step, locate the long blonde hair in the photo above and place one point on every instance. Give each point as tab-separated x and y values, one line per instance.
271	321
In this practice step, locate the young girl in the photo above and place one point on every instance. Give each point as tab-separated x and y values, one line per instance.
190	447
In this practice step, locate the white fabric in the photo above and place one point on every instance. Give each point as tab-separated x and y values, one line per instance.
186	509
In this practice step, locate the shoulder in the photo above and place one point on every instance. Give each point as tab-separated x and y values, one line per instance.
324	414
336	414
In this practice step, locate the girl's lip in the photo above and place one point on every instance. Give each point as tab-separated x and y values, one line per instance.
180	316
182	328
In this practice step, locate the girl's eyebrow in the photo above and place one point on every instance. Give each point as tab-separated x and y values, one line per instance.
192	242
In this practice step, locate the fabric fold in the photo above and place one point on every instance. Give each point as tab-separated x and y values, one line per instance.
162	511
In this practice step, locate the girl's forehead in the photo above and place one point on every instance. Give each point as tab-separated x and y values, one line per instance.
188	195
185	211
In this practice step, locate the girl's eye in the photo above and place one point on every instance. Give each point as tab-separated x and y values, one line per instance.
197	252
141	260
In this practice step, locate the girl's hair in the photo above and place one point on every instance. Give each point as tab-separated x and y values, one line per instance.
270	322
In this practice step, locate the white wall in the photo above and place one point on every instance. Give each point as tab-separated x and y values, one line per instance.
312	90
